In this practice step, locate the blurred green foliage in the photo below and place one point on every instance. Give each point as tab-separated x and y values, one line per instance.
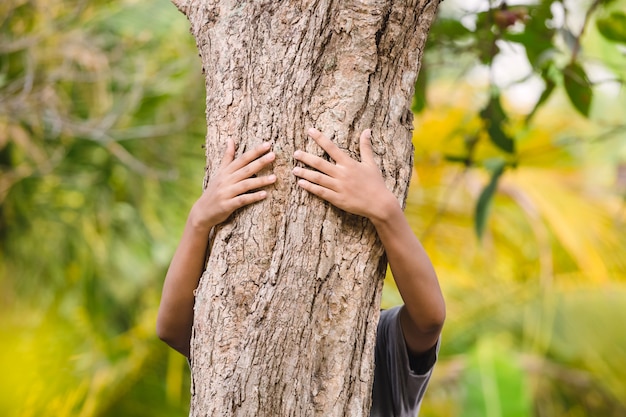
564	44
101	133
535	293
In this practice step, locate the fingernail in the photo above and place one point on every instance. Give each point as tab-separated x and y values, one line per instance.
369	133
312	131
296	170
297	154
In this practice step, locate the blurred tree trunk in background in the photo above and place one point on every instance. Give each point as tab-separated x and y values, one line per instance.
286	312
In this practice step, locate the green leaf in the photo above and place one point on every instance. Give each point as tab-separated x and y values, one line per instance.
578	88
494	117
485	38
496	166
538	36
446	30
494	382
465	160
613	27
536	45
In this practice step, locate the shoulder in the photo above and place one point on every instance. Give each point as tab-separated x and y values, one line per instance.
398	389
390	341
389	317
389	331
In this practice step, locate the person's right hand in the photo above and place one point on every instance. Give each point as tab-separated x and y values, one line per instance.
231	186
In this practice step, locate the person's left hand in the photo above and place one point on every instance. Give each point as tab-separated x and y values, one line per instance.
352	186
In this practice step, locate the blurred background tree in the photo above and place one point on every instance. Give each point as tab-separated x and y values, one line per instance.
101	119
518	195
521	137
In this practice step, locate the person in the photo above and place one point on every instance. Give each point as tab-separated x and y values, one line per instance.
407	340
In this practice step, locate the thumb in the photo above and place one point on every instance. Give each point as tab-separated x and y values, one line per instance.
365	144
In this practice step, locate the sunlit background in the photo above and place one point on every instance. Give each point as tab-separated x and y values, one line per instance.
518	195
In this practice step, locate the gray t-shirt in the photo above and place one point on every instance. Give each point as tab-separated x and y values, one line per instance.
397	390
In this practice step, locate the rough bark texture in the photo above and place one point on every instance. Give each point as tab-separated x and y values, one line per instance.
286	313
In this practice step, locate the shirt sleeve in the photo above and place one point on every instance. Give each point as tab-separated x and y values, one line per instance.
397	390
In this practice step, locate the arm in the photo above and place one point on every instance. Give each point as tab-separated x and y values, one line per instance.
229	189
349	185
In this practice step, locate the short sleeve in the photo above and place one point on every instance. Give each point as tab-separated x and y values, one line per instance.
397	390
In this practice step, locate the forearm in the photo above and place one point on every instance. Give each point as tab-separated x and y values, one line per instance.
415	278
232	186
359	188
175	317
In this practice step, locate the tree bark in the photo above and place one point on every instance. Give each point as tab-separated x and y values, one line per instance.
286	312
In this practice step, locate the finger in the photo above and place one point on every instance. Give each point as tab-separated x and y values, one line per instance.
246	199
316	178
326	144
315	162
365	144
250	184
229	154
249	156
253	167
318	190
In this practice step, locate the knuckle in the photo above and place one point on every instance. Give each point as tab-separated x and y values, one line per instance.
322	192
224	210
246	199
239	201
247	171
314	176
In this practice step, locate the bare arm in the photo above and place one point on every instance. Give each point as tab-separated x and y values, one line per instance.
228	190
349	185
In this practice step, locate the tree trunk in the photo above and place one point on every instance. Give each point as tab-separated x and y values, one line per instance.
286	312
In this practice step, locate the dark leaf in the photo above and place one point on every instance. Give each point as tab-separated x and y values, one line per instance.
484	201
458	159
447	30
578	88
613	27
485	37
494	117
537	37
